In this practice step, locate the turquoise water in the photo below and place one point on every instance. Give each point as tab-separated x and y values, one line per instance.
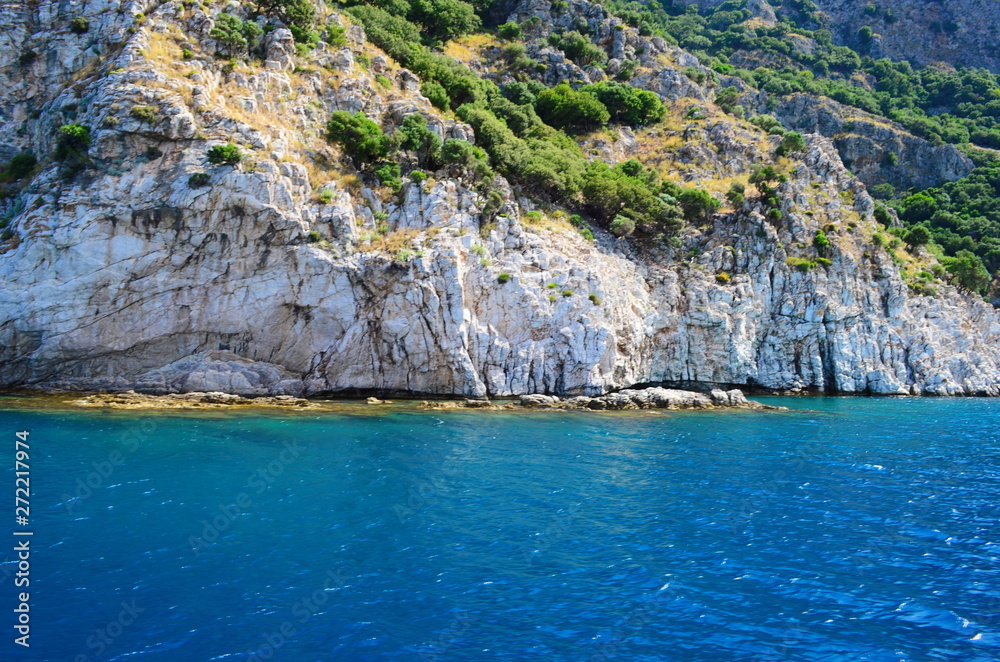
864	529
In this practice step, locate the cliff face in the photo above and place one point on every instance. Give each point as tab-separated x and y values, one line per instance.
873	148
129	275
955	32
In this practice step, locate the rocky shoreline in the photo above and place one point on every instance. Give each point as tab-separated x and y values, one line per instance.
646	398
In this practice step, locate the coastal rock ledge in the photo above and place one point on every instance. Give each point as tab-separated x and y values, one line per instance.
649	398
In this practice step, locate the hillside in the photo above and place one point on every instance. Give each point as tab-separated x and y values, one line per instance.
301	199
958	33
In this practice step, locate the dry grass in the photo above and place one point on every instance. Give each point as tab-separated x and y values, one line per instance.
469	47
551	220
392	243
162	49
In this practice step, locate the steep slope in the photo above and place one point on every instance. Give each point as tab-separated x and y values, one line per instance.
125	272
954	32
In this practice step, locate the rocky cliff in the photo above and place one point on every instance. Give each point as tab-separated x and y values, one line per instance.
128	273
951	32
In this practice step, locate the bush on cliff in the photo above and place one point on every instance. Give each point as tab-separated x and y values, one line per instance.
294	13
228	154
968	271
72	141
358	136
627	104
572	110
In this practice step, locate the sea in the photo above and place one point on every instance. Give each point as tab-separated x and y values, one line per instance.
845	529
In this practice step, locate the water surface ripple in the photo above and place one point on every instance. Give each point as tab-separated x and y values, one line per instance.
862	529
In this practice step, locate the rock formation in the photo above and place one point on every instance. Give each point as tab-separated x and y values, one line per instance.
129	274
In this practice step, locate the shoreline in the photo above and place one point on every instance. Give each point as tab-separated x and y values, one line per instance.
648	399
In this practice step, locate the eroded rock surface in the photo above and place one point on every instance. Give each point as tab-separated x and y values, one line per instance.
128	275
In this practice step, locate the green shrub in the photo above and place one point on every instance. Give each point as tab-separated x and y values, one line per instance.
627	104
509	30
824	261
314	237
361	138
418	176
444	20
324	196
727	99
186	54
551	286
578	48
198	179
882	215
237	36
389	175
630	189
765	122
300	13
383	81
553	298
723	278
436	94
144	114
736	194
19	167
460	152
336	36
821	242
800	263
567	293
791	143
503	277
304	37
622	226
79	25
565	108
228	154
594	299
698	204
916	236
73	141
968	271
415	136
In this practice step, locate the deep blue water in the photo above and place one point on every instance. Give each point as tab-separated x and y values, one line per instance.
864	529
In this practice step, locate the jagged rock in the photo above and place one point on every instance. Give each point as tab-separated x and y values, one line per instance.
219	371
670	84
343	59
915	32
279	47
865	142
539	400
128	276
355	37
